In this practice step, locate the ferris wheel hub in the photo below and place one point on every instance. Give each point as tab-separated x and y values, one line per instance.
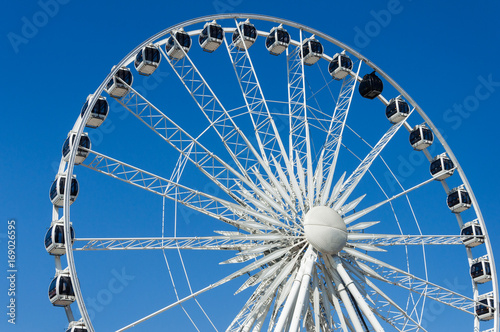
325	230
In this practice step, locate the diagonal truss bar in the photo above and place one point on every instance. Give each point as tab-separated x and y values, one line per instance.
359	214
299	137
233	242
395	276
267	134
330	151
403	240
360	171
210	164
236	215
236	143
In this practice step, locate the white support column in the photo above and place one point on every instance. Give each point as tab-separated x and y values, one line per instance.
357	295
344	296
307	262
303	291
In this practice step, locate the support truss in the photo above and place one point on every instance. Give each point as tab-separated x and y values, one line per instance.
395	276
241	217
353	180
234	242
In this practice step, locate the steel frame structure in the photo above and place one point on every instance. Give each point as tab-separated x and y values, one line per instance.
272	188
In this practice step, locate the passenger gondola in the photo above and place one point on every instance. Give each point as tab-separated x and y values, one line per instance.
81	153
472	234
177	50
249	35
57	190
485	309
442	167
278	40
312	51
54	238
340	66
76	327
118	86
61	290
458	200
147	60
371	86
99	112
397	110
480	270
211	37
421	137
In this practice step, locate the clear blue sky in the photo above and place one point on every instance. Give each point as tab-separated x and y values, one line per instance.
440	53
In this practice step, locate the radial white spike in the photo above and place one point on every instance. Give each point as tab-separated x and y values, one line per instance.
336	189
362	225
300	174
239	259
351	206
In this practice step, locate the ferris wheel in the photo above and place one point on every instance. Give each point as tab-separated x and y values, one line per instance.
272	136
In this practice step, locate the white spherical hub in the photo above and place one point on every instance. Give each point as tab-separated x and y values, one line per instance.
325	230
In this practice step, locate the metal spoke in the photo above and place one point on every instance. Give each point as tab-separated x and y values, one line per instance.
398	277
299	137
267	134
403	240
234	140
234	242
367	210
218	171
330	152
231	213
236	274
357	175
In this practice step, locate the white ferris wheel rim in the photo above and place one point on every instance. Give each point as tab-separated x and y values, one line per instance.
80	125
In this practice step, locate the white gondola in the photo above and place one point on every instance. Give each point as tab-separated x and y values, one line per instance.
397	110
61	290
76	327
312	51
147	60
458	200
371	86
485	310
278	40
177	50
81	154
118	86
442	167
480	270
54	238
98	113
211	37
57	190
421	137
472	234
249	35
340	66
